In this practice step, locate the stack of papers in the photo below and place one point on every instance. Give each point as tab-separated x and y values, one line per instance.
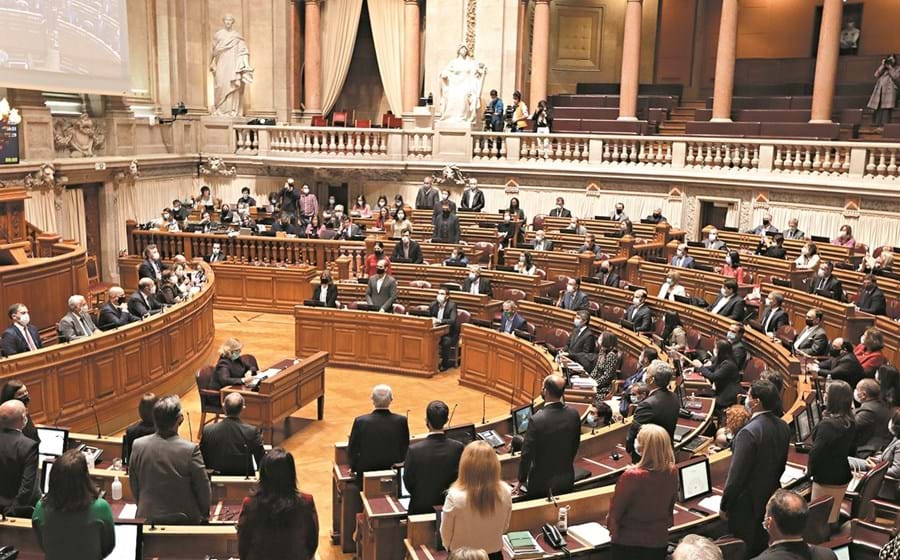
583	383
591	534
791	474
520	544
711	503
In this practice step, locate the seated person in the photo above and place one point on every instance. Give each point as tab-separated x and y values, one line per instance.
772	247
114	312
635	394
656	217
812	340
377	255
765	227
142	428
809	257
143	302
618	214
361	209
590	246
180	212
869	351
314	229
575	227
384	219
606	276
457	258
233	368
476	284
626	228
326	291
443	312
843	363
77	323
681	258
845	237
573	299
638	314
168	292
559	210
733	268
406	250
21	336
871	298
825	284
713	242
284	225
206	200
347	229
671	287
230	447
647	357
674	336
773	315
880	264
525	265
793	231
729	303
541	243
510	320
736	416
245	198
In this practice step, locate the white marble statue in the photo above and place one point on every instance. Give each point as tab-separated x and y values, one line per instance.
461	83
230	66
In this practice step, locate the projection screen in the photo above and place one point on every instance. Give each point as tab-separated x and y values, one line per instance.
65	45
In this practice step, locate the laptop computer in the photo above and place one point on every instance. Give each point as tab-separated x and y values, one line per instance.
464	434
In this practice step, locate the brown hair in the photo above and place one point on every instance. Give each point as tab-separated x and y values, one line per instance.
479	477
71	489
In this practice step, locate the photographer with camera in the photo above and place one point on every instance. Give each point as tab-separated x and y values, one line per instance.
884	96
517	114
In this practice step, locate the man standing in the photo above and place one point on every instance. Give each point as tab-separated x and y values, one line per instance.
560	210
431	464
152	267
76	323
21	336
759	454
245	198
427	197
446	225
551	444
218	256
439	207
443	312
407	250
231	447
473	198
167	475
475	284
379	439
114	312
660	407
496	109
309	205
785	521
289	199
382	289
638	314
18	461
582	342
872	417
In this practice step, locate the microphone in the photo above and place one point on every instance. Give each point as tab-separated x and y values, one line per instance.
483	408
452	412
56	420
97	420
551	498
407	413
190	428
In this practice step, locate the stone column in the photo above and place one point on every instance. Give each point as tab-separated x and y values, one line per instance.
540	52
725	55
631	61
312	59
827	62
411	78
521	21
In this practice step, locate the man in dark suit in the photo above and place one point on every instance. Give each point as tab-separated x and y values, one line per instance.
871	298
638	314
582	342
551	444
843	364
590	246
282	225
872	417
573	299
785	521
660	407
606	276
560	210
759	454
152	267
347	230
144	427
775	250
681	258
541	243
246	198
510	320
326	291
382	289
825	284
21	336
446	225
729	303
812	340
216	255
431	464
428	196
773	315
473	198
443	312
379	439
290	198
436	211
476	284
143	301
230	446
114	312
647	357
18	461
167	475
406	250
735	336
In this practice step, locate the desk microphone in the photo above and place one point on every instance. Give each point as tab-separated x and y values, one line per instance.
483	408
190	428
452	412
407	413
56	420
97	420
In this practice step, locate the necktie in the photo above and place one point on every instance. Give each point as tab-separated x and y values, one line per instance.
84	327
29	340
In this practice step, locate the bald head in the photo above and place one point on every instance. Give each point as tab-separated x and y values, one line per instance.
12	415
554	387
233	404
116	292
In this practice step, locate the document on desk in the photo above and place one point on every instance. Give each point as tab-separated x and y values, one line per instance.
128	512
271	372
791	474
711	503
592	534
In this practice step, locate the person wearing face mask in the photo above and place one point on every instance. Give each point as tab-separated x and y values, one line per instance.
446	226
582	342
655	218
476	284
401	223
152	266
682	259
381	291
560	210
114	312
398	204
626	229
832	443
607	364
457	258
226	216
329	211
15	389
407	250
573	298
648	356
618	214
759	455
635	394
77	322
167	222
733	268
168	292
607	276
525	265
872	417
870	298
473	198
723	373
671	287
347	229
869	351
284	226
216	254
143	302
510	320
812	340
438	208
383	219
729	303
361	209
326	291
371	263
245	198
289	197
793	230
180	212
772	247
443	312
508	230
824	284
773	315
660	407
844	237
713	242
21	336
735	337
233	367
843	363
427	197
890	455
808	258
785	522
590	246
637	317
541	243
574	227
765	227
308	204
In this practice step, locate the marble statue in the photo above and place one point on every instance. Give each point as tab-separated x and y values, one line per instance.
461	83
230	67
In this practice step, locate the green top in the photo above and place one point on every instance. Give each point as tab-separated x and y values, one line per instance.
75	535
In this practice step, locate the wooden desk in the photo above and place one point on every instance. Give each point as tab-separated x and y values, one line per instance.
748	242
383	528
265	289
436	275
556	263
387	342
480	306
840	319
296	385
231	489
852	282
658	232
762	268
705	285
891	331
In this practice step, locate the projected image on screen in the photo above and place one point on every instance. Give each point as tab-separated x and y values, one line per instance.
79	45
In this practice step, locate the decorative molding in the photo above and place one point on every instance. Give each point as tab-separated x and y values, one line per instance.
851	207
127	176
45	179
471	8
450	174
511	186
761	199
216	166
592	189
79	137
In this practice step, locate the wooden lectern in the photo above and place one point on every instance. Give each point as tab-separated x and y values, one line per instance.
12	215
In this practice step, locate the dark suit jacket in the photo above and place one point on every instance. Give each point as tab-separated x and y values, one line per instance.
780	319
582	347
430	468
484	286
775	252
449	315
427	200
513	323
111	317
145	270
385	299
167	294
220	256
575	301
227	446
660	408
643	321
734	309
816	344
549	450
740	353
436	212
378	440
18	470
611	279
872	433
727	379
13	341
829	287
231	372
687	263
133	432
547	246
446	230
797	551
556	212
846	368
415	252
872	301
138	307
478	202
167	478
330	297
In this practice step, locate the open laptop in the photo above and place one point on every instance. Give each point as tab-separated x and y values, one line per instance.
464	434
53	441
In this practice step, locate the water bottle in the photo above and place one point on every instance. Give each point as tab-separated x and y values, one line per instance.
116	489
562	519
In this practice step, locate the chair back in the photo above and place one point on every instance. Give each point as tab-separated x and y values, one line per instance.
817	529
362	123
538	222
420	283
629	365
753	370
786	334
210	399
594	308
484	250
732	548
463	316
340	118
514	294
399	309
862	507
557	338
319	121
92	272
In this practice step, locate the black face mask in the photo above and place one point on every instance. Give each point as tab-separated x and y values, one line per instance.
809	322
655	215
834	352
379	252
446	213
120	300
380	271
324	280
25	400
765	222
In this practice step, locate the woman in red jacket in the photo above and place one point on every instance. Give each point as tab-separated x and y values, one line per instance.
868	352
640	513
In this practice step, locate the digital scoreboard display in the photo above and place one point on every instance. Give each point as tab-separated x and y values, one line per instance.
9	143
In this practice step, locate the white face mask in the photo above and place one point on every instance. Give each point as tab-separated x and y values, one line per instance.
769	303
679	252
24	319
637	446
723	291
445	196
804	251
441	298
636	300
155	256
669	281
728	261
471	276
821	273
577	323
570	288
712	236
406	240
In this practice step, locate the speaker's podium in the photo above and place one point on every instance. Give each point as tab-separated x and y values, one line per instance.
290	385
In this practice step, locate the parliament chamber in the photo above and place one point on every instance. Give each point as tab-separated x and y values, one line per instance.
600	279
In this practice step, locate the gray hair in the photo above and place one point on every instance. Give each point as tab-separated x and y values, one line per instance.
75	301
166	412
382	396
695	547
116	291
145	282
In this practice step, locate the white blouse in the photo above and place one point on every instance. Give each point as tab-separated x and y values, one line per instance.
461	526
